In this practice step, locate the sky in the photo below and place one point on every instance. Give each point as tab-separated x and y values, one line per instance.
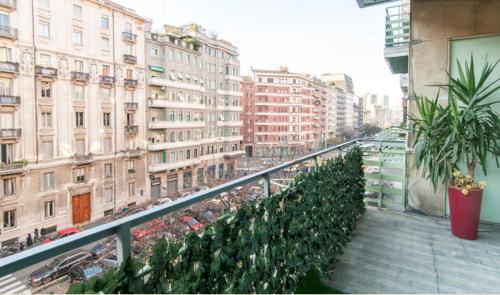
307	36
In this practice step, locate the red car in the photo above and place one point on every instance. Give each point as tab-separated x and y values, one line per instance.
193	224
62	234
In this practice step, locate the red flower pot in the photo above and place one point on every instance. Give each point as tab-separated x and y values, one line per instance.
464	212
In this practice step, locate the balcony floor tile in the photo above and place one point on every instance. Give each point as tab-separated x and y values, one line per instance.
409	253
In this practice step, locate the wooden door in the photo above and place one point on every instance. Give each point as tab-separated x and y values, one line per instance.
81	208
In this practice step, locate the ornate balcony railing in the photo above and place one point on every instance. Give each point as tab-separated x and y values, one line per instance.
83	159
129	37
10	99
9	67
131	82
122	227
107	80
131	129
10	4
131	106
130	59
10	132
8	32
46	71
79	76
11	168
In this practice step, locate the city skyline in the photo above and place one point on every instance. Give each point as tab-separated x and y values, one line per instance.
295	22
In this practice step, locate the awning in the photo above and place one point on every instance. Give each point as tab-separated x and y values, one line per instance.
157	69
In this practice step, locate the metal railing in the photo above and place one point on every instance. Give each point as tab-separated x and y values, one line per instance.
83	159
10	132
122	227
129	37
10	169
79	76
9	67
106	79
131	82
10	99
131	106
12	4
130	59
46	71
8	32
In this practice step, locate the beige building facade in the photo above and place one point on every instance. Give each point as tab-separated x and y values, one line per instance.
194	110
72	113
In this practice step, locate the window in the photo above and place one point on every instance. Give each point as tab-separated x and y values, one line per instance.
108	170
44	3
47	119
50	207
9	186
46	89
106	70
131	165
106	94
106	119
172	116
9	219
5	54
104	22
77	11
80	147
179	116
129	96
131	189
44	29
80	174
48	180
77	38
129	74
79	92
108	195
6	120
128	27
154	51
79	116
48	150
78	66
45	60
105	43
107	144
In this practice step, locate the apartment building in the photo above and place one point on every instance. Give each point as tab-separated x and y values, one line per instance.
343	90
194	109
331	112
248	116
71	113
285	107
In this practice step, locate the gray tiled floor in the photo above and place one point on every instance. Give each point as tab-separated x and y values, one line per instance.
408	253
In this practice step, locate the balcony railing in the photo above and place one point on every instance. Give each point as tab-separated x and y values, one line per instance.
122	227
46	71
10	100
130	59
107	80
8	32
131	129
11	168
397	26
10	4
80	76
131	106
129	37
9	67
10	132
83	159
131	82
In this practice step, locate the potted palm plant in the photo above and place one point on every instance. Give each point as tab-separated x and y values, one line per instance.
458	137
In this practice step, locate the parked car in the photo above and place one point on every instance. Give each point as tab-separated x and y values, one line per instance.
57	267
62	234
101	249
162	201
193	224
85	272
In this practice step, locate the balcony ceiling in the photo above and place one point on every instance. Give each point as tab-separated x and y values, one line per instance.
366	3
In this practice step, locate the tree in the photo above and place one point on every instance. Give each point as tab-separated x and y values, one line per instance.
370	130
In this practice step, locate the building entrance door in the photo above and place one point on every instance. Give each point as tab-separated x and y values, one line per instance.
81	208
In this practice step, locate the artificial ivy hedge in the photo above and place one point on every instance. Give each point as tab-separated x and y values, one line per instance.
265	247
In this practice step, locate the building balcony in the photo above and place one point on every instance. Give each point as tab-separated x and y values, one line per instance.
83	159
176	124
156	81
129	37
159	167
10	100
230	108
9	67
230	92
397	38
130	59
230	123
160	146
79	76
163	103
9	4
8	32
131	106
13	168
233	155
10	133
46	71
131	129
130	82
403	82
106	80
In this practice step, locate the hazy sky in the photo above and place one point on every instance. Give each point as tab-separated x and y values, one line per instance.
309	36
